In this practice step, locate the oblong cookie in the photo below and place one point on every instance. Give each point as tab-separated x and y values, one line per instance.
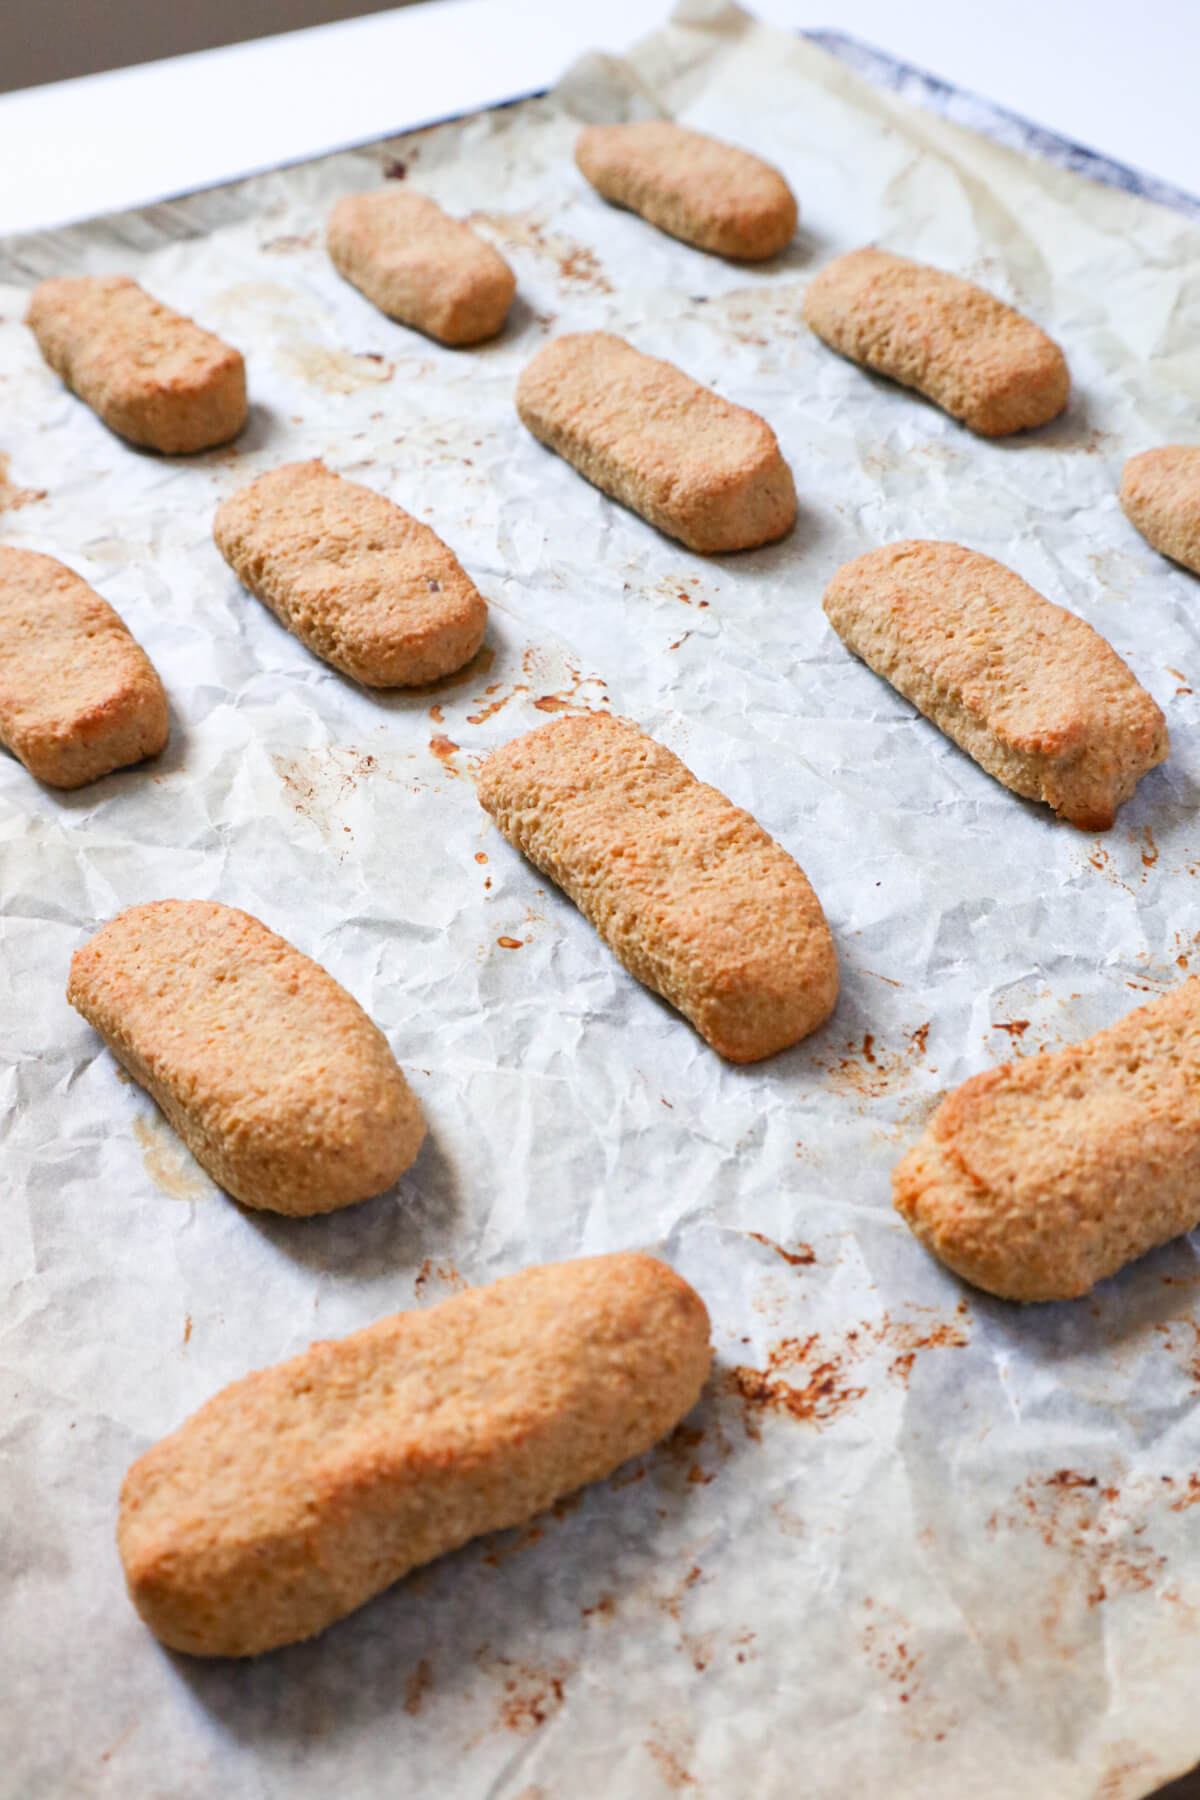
693	186
417	264
79	697
1039	699
980	360
299	1492
1037	1179
1160	492
152	375
275	1079
366	586
687	889
698	467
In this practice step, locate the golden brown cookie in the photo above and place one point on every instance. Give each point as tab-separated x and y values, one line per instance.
1160	491
686	888
362	583
149	373
1037	697
977	358
691	185
275	1079
1037	1179
78	696
417	264
299	1492
698	467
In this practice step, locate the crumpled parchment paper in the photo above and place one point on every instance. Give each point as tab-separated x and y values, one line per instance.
913	1541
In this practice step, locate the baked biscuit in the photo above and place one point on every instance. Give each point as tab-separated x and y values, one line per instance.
151	375
275	1079
696	466
690	185
686	888
78	696
363	584
417	264
1160	491
977	358
1037	1179
301	1491
1029	690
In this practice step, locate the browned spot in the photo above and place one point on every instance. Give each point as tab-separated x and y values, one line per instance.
443	1272
437	716
479	665
671	1767
870	1069
507	943
13	497
187	1329
490	707
551	703
417	1686
394	169
908	1340
800	1257
1190	1498
1149	849
822	1396
826	1389
604	1608
1016	1028
577	265
531	1695
443	748
1073	1512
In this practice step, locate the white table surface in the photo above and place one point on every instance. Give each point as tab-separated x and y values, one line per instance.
1117	78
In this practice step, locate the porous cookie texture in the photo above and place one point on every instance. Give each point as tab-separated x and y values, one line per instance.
417	264
78	696
1038	1179
693	186
698	467
299	1492
152	375
1160	491
982	361
275	1079
363	584
1039	699
687	889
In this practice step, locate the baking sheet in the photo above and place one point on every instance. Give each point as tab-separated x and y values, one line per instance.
913	1541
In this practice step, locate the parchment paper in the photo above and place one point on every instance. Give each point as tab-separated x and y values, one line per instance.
913	1541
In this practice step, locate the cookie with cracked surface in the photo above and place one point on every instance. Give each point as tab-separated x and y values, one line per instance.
1029	690
692	186
298	1493
1160	492
691	463
980	360
79	697
687	889
358	580
1037	1179
153	376
420	266
273	1076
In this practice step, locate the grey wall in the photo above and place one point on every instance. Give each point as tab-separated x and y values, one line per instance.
49	40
